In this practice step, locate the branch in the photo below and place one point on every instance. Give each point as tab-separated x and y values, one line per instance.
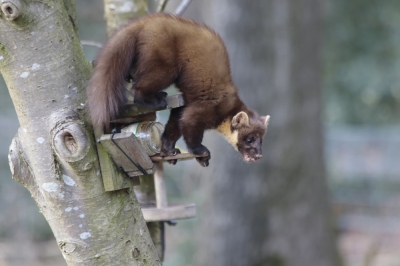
20	170
71	10
162	5
115	20
182	7
92	43
11	9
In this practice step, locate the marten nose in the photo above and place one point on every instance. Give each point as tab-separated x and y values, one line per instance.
258	156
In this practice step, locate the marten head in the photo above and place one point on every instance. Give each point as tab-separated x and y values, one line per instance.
250	133
246	133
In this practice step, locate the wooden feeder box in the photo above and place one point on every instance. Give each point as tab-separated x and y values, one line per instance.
121	156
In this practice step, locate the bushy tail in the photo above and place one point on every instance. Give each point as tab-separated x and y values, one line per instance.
107	87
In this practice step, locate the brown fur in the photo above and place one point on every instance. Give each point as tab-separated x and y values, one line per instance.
164	49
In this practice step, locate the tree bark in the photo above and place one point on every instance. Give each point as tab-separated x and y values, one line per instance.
53	154
276	211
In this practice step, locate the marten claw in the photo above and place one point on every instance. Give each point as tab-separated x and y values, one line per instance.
172	152
173	162
203	161
206	155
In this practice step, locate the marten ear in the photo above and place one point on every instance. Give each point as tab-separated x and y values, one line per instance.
265	120
240	120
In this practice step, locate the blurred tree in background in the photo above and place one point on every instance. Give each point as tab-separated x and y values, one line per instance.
274	212
362	66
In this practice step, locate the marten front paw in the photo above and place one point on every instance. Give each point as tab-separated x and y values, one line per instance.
206	155
172	152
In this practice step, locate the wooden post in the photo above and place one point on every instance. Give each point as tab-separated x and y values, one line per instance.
159	186
146	196
115	17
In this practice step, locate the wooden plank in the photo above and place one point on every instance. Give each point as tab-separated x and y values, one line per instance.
134	119
180	156
131	150
138	173
131	110
112	178
173	212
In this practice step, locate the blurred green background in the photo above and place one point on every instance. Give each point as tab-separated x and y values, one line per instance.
361	100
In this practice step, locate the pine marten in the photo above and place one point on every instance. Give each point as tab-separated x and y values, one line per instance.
159	50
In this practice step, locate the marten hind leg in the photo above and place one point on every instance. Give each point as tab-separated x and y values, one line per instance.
156	100
148	86
172	133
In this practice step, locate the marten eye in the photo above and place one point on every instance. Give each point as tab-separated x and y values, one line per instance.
249	140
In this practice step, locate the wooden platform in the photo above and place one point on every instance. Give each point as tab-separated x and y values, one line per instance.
113	159
172	212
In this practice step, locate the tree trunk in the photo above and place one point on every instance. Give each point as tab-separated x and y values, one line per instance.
54	154
117	13
276	211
